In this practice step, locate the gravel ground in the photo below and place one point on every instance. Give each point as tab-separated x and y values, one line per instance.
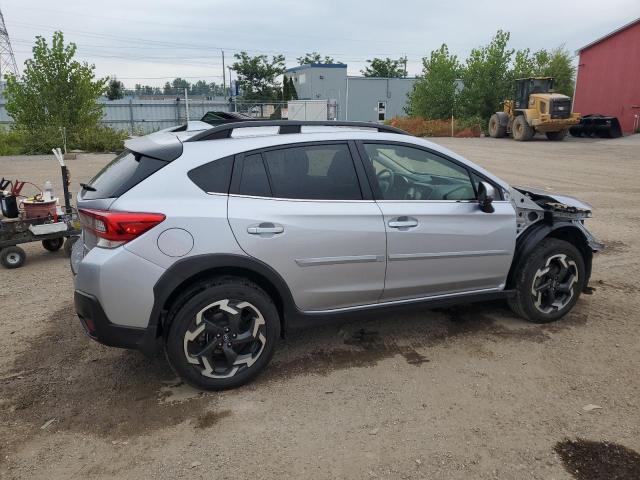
468	392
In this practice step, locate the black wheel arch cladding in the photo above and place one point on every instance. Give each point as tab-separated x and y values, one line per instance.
189	271
536	233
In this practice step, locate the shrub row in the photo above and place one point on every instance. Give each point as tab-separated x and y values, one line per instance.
99	139
423	127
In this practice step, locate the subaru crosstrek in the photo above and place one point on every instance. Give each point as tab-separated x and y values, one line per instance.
217	242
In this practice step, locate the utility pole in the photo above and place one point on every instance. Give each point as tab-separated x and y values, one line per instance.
7	59
224	76
405	65
235	105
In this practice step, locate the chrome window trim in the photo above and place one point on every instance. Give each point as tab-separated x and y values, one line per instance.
437	201
347	201
280	199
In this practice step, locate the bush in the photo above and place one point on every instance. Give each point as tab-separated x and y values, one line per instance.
423	127
11	142
102	139
99	139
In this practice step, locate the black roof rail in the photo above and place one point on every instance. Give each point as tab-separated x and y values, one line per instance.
286	127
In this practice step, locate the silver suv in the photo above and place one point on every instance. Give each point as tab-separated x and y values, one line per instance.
218	242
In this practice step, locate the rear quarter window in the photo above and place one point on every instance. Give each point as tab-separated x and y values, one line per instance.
120	175
213	177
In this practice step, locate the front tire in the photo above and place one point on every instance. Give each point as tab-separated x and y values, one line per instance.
548	282
223	335
556	136
521	130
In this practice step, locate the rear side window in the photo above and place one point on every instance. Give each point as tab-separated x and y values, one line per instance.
316	172
213	177
120	175
254	179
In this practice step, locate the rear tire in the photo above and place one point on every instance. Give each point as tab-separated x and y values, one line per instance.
222	333
556	136
53	244
522	131
68	244
496	130
548	282
12	257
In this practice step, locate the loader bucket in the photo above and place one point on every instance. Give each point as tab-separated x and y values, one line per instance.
595	125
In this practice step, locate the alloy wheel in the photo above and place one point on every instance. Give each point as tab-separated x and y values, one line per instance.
553	283
227	337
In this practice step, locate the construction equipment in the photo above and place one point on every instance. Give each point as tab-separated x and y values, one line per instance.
596	125
536	108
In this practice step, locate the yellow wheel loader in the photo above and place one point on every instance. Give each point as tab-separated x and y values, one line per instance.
535	109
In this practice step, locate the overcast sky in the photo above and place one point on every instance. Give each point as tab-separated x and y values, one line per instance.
152	41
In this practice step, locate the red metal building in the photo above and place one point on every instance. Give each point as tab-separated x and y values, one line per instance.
608	80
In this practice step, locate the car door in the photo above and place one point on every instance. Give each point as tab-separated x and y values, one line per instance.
302	210
438	240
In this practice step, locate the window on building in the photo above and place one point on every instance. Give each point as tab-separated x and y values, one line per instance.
382	111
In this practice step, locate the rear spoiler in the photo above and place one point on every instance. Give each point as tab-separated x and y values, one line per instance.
161	146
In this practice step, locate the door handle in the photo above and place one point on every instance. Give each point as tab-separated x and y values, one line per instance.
265	228
403	222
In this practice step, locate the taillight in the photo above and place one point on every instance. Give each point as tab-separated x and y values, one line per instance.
116	228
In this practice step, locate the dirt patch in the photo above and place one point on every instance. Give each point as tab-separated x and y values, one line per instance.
409	335
613	247
209	419
588	460
63	376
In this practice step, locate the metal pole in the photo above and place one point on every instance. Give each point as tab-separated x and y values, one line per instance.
65	188
224	75
346	103
186	104
131	114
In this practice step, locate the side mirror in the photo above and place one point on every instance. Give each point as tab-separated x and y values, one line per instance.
486	195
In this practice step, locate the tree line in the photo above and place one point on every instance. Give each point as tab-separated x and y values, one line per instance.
116	89
476	87
56	96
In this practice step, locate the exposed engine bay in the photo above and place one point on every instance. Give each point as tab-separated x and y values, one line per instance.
534	205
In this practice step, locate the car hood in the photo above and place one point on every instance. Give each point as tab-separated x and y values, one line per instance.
539	194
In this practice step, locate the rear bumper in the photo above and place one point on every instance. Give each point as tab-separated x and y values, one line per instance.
99	328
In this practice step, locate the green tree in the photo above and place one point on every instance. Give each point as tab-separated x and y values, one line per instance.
292	90
487	78
288	89
200	88
386	68
434	94
314	57
557	64
55	92
258	75
560	66
115	89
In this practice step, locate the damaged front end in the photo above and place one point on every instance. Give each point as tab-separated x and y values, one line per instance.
534	206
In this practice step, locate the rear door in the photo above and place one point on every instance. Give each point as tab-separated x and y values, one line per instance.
438	240
307	211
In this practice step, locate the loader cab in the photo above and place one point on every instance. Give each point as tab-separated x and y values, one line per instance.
528	86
